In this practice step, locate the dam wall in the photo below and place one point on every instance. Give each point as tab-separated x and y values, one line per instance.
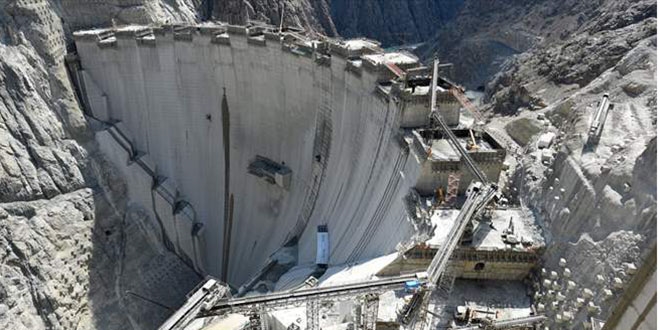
202	102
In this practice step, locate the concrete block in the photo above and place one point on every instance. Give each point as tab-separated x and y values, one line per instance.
272	36
237	29
146	41
185	224
570	285
607	293
259	40
221	39
167	190
545	140
554	275
556	285
562	262
600	279
631	269
567	272
618	283
587	294
148	164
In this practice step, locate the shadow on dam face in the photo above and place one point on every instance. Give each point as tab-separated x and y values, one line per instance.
159	92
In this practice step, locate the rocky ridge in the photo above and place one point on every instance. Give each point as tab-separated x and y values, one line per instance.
596	202
76	254
312	15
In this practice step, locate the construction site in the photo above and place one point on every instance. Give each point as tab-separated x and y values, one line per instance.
328	165
323	183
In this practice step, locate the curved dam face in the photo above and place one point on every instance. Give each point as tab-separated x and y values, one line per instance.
197	108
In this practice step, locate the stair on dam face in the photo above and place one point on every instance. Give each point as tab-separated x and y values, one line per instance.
322	142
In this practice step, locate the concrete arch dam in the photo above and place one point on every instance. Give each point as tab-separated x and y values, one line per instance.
252	137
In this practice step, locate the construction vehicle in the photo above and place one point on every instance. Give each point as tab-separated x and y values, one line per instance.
473	315
412	286
439	196
472	143
598	119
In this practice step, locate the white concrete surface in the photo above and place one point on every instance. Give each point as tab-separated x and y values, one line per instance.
164	95
487	238
443	219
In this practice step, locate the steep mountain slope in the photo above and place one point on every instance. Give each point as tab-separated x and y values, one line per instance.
597	201
76	255
309	14
393	22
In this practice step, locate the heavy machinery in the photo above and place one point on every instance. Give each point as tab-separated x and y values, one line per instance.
474	315
598	119
472	143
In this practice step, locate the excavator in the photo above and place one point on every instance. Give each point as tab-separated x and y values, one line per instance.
472	143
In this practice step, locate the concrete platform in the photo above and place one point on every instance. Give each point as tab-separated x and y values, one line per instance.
508	299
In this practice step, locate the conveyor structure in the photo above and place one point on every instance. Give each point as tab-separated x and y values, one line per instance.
479	194
207	301
280	300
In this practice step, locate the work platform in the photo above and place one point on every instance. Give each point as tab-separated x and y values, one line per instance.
439	158
496	300
487	255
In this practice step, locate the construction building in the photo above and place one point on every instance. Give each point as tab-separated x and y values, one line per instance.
442	164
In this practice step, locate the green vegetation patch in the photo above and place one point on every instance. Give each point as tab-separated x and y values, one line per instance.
562	114
522	130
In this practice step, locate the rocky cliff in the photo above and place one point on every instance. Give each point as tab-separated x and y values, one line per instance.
75	254
308	14
596	200
393	22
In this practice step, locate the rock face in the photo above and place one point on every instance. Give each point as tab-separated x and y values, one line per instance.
308	14
393	22
85	14
75	254
476	35
595	46
594	199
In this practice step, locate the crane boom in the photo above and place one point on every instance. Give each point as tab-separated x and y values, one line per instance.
465	102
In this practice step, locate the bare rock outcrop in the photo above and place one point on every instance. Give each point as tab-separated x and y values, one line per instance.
596	201
312	15
586	53
75	254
